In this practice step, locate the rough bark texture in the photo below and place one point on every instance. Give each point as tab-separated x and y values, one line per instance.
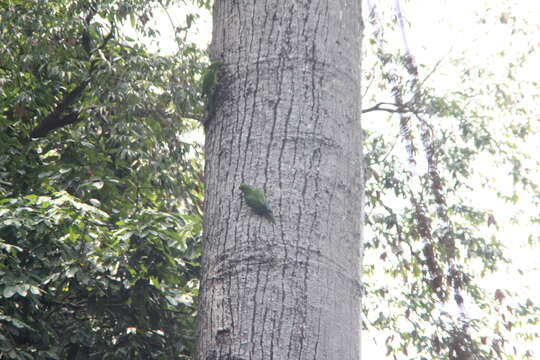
286	120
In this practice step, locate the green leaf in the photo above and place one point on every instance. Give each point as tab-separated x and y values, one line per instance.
9	291
12	249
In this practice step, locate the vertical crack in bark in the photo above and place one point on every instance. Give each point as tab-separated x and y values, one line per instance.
254	314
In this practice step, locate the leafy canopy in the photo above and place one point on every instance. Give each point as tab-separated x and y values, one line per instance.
100	192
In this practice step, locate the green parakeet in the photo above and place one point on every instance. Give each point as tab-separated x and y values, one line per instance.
209	82
256	200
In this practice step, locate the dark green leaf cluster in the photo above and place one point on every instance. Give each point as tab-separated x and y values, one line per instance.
100	185
75	285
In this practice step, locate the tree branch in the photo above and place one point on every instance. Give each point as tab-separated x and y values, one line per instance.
56	119
378	107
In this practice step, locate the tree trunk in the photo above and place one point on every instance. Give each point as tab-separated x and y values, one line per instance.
286	120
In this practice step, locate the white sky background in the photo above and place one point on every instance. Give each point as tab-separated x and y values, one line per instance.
451	29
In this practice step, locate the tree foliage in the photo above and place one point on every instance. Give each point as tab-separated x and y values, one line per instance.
432	240
100	210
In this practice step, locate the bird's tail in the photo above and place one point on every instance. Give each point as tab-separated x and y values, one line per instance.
270	218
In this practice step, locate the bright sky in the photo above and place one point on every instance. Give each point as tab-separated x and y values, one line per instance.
453	30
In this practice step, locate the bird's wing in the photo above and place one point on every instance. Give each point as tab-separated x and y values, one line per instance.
259	195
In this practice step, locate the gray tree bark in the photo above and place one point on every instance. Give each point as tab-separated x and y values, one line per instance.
286	119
